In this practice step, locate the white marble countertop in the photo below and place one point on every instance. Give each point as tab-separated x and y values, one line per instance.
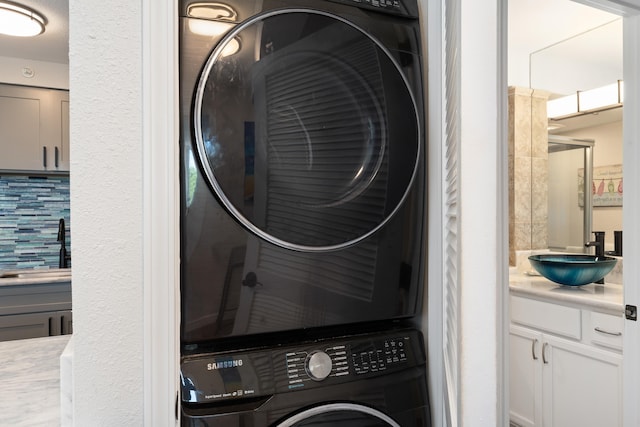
30	381
32	281
607	297
40	276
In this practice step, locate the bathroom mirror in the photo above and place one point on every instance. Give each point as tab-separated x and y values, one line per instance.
587	60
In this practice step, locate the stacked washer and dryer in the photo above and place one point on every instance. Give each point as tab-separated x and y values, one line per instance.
302	213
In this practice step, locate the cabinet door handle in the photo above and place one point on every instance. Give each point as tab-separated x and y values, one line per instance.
615	334
533	349
44	157
56	157
544	353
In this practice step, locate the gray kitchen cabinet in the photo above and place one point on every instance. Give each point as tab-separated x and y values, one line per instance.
34	129
22	326
64	132
35	325
35	310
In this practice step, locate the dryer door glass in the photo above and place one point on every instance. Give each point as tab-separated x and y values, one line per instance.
306	130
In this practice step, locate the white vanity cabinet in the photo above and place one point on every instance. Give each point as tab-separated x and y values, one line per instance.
565	365
34	129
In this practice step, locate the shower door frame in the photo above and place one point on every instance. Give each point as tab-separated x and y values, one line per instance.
587	145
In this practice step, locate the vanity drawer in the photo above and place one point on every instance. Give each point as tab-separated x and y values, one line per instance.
554	318
606	330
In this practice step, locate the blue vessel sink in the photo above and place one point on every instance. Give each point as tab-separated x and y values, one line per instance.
572	270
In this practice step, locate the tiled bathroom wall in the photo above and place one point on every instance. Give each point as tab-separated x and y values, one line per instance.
528	175
30	210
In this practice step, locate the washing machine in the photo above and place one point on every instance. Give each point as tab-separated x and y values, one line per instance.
302	165
369	379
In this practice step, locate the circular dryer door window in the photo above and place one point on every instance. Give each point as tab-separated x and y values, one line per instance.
306	129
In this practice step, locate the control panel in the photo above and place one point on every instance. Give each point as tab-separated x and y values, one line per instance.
216	377
316	365
377	358
347	362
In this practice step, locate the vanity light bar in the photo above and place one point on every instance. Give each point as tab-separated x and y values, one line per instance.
588	101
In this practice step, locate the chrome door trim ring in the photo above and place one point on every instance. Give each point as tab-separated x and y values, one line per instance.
333	407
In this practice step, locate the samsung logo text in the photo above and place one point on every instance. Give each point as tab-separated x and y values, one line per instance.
234	363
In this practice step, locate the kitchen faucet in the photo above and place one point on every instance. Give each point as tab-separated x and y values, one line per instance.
63	261
599	245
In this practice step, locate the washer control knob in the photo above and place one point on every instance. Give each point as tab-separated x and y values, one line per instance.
318	365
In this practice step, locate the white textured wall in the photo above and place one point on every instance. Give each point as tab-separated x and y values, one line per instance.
106	209
45	74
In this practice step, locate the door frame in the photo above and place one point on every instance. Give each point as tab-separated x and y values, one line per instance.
631	277
630	11
161	216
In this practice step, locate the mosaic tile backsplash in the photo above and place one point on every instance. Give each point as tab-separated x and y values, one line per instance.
30	210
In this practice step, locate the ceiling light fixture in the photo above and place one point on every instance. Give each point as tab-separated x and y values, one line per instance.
213	11
587	102
16	20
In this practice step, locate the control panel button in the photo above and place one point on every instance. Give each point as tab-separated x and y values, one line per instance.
318	365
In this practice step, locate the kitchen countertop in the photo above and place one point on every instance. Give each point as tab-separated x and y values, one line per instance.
608	297
40	276
30	381
14	281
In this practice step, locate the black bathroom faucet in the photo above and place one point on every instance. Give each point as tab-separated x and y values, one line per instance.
64	258
599	244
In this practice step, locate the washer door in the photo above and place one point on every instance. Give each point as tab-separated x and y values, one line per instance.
339	414
306	129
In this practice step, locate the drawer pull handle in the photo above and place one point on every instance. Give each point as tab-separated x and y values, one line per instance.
533	349
544	355
615	334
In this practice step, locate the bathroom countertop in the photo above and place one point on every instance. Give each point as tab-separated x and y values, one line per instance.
30	381
607	297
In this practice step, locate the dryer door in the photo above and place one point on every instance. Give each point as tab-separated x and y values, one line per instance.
339	414
306	129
